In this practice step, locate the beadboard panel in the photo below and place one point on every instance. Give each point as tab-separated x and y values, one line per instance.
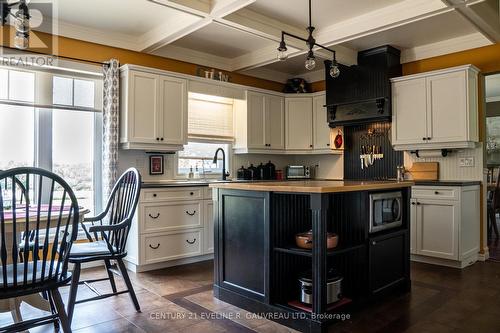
449	167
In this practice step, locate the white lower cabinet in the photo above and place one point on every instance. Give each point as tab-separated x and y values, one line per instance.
176	245
445	225
171	226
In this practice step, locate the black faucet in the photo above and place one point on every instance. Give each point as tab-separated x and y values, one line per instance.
224	174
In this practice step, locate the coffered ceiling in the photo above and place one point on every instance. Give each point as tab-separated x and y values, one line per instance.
242	35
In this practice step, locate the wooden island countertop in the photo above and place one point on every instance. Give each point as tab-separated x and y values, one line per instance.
313	186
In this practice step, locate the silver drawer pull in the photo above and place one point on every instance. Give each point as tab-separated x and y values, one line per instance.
191	214
192	242
154	217
154	247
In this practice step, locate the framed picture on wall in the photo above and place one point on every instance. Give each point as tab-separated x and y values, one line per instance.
156	164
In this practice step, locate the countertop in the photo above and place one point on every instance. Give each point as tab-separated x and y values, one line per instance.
195	182
313	186
447	182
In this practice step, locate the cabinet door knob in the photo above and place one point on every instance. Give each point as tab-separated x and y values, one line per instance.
374	243
154	195
154	217
157	139
436	192
191	214
191	193
191	242
428	138
424	139
310	146
154	247
418	203
161	139
413	203
328	145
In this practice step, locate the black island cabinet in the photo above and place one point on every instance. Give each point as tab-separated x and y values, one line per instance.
258	265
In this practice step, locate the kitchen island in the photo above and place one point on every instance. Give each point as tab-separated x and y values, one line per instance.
258	265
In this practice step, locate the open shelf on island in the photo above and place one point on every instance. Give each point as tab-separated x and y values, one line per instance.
308	253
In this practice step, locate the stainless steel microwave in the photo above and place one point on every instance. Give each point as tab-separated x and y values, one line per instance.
298	172
386	211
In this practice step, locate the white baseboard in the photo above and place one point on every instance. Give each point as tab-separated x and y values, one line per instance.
445	262
170	263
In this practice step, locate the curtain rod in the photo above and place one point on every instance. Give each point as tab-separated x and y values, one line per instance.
57	56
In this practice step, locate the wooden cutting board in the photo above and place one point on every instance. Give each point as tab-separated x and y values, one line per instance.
425	171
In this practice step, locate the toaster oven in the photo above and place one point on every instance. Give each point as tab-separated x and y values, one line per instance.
299	172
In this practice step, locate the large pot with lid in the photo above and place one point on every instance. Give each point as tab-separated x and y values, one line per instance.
333	288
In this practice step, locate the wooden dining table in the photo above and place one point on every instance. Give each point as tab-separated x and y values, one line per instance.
35	300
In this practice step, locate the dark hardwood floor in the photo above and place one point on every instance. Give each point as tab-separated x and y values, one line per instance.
180	299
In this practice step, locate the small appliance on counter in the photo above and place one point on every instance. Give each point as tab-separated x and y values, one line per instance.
299	172
334	288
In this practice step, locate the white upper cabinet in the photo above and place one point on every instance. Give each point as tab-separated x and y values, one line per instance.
321	129
259	123
153	110
409	112
436	110
272	124
298	123
142	94
256	120
275	122
173	112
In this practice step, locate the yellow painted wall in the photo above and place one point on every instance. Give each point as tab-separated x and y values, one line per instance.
87	51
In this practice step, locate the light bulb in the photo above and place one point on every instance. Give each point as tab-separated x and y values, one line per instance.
310	63
22	22
282	55
21	41
334	70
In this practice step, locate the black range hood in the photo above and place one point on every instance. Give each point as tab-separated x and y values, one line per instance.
362	92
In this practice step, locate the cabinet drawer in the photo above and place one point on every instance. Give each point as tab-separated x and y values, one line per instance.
158	248
171	216
435	192
172	194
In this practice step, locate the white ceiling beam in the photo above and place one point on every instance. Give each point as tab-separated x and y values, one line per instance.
452	45
199	8
221	8
157	38
203	13
379	20
483	15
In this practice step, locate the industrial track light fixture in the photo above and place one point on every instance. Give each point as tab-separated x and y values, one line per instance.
310	62
21	21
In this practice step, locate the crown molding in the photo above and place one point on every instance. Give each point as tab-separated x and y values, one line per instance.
267	74
195	57
452	45
97	36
